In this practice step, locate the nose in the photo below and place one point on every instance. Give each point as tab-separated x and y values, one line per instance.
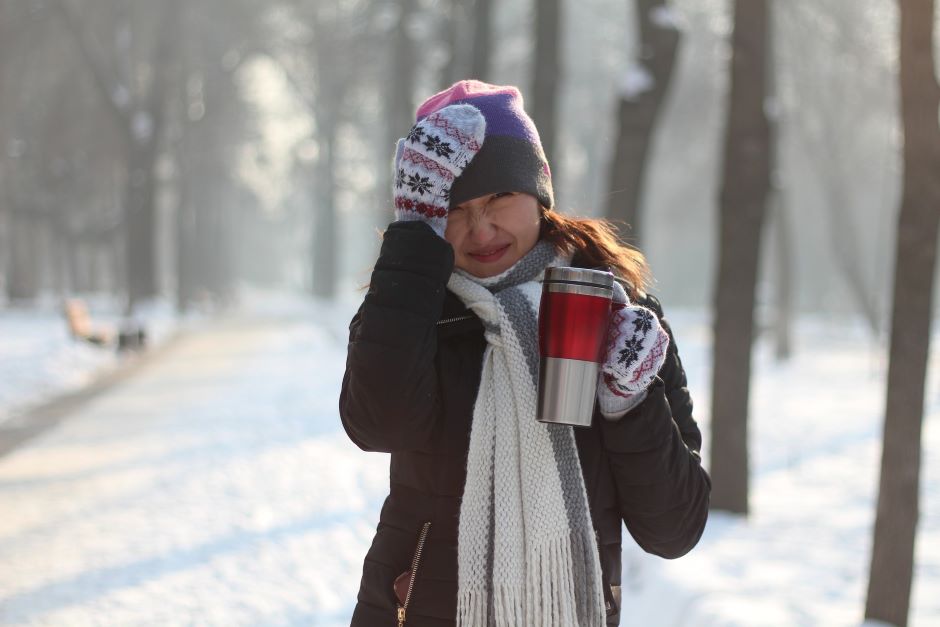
482	228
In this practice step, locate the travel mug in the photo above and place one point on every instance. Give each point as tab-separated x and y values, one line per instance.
574	314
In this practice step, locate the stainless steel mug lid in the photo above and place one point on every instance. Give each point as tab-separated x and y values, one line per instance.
579	281
585	276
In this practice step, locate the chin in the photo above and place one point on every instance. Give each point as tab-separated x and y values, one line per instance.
485	274
485	271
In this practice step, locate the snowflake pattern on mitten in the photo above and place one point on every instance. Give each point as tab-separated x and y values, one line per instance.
636	350
428	160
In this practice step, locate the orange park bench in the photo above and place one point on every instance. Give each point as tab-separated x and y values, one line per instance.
81	327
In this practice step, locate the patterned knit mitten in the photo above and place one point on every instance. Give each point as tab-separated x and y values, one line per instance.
636	350
436	151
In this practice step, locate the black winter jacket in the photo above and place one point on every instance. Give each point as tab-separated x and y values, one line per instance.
412	372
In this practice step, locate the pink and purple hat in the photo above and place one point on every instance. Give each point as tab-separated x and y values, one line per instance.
511	158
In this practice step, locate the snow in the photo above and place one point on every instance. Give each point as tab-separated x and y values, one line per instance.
216	486
39	360
142	126
665	17
635	81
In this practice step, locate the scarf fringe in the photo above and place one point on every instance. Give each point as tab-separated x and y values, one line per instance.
551	596
472	608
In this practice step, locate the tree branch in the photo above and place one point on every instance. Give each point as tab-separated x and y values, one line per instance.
108	87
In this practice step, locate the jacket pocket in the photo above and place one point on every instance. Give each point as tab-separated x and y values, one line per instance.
404	584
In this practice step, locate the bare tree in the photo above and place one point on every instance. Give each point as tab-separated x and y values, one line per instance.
834	126
59	186
781	221
209	125
547	76
399	113
323	74
782	230
139	112
481	58
20	246
452	19
892	561
642	96
745	187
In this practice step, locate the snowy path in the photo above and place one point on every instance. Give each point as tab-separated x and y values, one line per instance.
213	488
216	487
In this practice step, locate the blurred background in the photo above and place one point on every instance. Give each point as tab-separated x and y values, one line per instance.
181	149
192	196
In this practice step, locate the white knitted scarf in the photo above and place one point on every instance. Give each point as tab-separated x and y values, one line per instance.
526	546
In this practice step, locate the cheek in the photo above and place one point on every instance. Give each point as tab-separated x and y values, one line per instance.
526	231
455	233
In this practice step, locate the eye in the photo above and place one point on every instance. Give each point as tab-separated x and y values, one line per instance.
503	195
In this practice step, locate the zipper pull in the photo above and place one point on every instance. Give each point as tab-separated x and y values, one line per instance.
401	616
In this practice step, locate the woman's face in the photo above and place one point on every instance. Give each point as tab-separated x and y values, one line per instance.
491	233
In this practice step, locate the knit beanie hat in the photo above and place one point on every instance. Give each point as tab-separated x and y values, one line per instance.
511	158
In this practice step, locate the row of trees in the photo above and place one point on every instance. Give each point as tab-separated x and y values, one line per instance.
355	69
746	190
127	126
123	109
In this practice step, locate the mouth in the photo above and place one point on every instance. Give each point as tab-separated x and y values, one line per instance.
489	256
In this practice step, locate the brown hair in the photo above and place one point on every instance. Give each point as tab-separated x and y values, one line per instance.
596	243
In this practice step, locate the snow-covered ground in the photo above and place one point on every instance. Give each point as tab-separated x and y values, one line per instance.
802	556
40	360
216	487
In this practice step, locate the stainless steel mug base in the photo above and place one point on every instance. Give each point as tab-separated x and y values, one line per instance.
567	389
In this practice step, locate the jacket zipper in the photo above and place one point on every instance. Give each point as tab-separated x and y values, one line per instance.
414	572
455	319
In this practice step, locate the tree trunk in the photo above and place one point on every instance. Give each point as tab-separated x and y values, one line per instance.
482	40
214	246
400	107
185	248
141	206
70	269
849	255
642	95
892	561
323	239
745	186
142	124
783	286
140	249
330	95
451	39
547	75
780	219
22	279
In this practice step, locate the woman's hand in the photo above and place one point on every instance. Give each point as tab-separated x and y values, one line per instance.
636	349
435	152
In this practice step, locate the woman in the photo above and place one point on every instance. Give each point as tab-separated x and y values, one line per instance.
493	517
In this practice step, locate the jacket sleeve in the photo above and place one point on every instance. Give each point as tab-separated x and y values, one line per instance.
653	451
389	398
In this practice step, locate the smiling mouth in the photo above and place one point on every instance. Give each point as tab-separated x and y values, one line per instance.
489	256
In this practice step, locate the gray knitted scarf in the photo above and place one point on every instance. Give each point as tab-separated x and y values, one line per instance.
526	548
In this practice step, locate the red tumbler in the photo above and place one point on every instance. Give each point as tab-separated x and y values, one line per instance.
573	318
